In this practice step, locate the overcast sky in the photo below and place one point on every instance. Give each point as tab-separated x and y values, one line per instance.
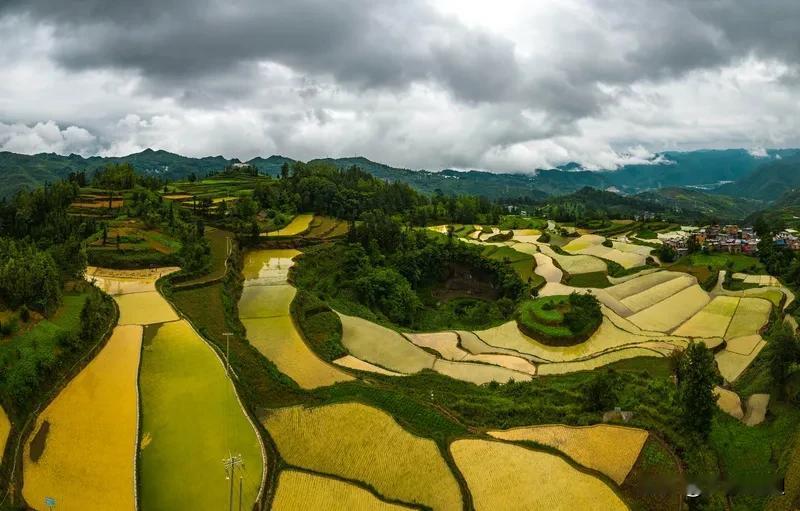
506	85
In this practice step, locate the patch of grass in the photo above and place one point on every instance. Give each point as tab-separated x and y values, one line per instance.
646	234
560	320
597	279
320	326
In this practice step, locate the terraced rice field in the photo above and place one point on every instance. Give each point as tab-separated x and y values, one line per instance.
5	429
672	311
352	362
611	450
597	361
732	365
712	320
575	264
478	373
264	312
751	315
546	269
447	345
504	476
358	442
729	402
298	225
300	491
591	244
190	424
382	346
83	445
120	282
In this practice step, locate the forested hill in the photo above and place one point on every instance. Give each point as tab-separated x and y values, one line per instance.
769	181
763	178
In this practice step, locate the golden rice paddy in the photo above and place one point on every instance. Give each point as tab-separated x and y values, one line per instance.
298	225
362	443
352	362
478	373
743	345
264	312
382	346
625	259
5	430
657	293
300	491
444	343
611	450
732	365
712	320
508	477
751	315
546	269
279	341
85	440
144	309
672	311
729	402
641	282
598	361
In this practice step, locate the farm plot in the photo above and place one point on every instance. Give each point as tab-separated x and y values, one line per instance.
611	450
181	411
264	312
525	248
658	292
298	225
625	259
120	282
607	337
712	320
447	345
352	362
478	373
732	365
598	361
729	402
279	341
546	269
632	248
355	441
584	242
83	445
504	476
382	346
671	312
327	227
575	264
641	282
299	491
5	429
751	315
144	309
759	280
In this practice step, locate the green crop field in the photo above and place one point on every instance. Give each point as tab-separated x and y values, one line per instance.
190	424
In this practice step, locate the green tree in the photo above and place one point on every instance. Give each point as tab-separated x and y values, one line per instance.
697	376
783	353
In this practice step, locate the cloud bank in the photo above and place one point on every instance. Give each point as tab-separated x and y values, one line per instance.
506	86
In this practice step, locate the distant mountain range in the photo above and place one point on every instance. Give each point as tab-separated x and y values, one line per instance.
732	172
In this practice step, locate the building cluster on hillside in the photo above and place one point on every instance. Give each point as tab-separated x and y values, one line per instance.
726	238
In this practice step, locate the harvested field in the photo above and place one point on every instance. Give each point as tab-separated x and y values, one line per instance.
352	362
608	336
475	345
279	341
477	373
264	312
672	311
326	227
642	282
382	346
5	429
546	269
181	412
632	248
729	402
527	232
444	343
95	415
504	476
144	309
598	361
611	450
756	409
120	282
712	320
658	292
732	365
625	259
356	441
524	248
584	242
750	317
743	345
300	491
625	278
298	225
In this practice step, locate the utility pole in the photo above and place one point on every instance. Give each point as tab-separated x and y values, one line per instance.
232	462
228	350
